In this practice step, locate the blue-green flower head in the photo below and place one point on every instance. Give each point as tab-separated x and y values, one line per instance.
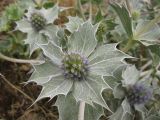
75	66
139	94
79	70
37	23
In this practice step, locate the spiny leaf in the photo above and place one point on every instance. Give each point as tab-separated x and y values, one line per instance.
90	90
123	112
106	59
83	40
125	18
147	32
52	81
73	24
68	109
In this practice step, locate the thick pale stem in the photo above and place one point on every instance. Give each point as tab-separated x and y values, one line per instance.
20	60
81	110
90	10
79	5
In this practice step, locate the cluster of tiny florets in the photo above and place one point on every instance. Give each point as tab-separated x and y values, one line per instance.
102	28
138	94
38	21
75	66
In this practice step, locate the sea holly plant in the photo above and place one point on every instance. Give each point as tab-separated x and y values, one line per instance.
80	70
90	79
135	93
37	23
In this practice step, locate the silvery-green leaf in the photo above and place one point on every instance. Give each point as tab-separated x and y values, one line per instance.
68	109
51	32
123	112
73	24
83	40
142	110
155	53
125	18
50	77
106	59
119	92
34	39
153	117
53	52
130	75
114	80
51	14
24	26
147	32
40	76
90	90
55	86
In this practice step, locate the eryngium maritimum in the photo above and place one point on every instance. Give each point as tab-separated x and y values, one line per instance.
139	94
80	69
37	23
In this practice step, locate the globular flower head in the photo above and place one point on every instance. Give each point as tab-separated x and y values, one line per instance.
139	94
75	66
38	21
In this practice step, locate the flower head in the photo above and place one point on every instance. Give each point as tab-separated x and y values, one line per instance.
38	21
75	66
37	25
139	94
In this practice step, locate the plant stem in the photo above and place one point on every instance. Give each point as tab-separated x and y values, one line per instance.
129	45
90	10
81	110
79	6
20	60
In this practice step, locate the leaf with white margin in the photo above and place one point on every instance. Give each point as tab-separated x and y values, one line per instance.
73	24
90	90
40	76
55	86
68	109
124	112
83	40
24	26
106	59
51	31
124	17
130	75
51	14
119	92
142	111
34	39
147	32
116	78
53	52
